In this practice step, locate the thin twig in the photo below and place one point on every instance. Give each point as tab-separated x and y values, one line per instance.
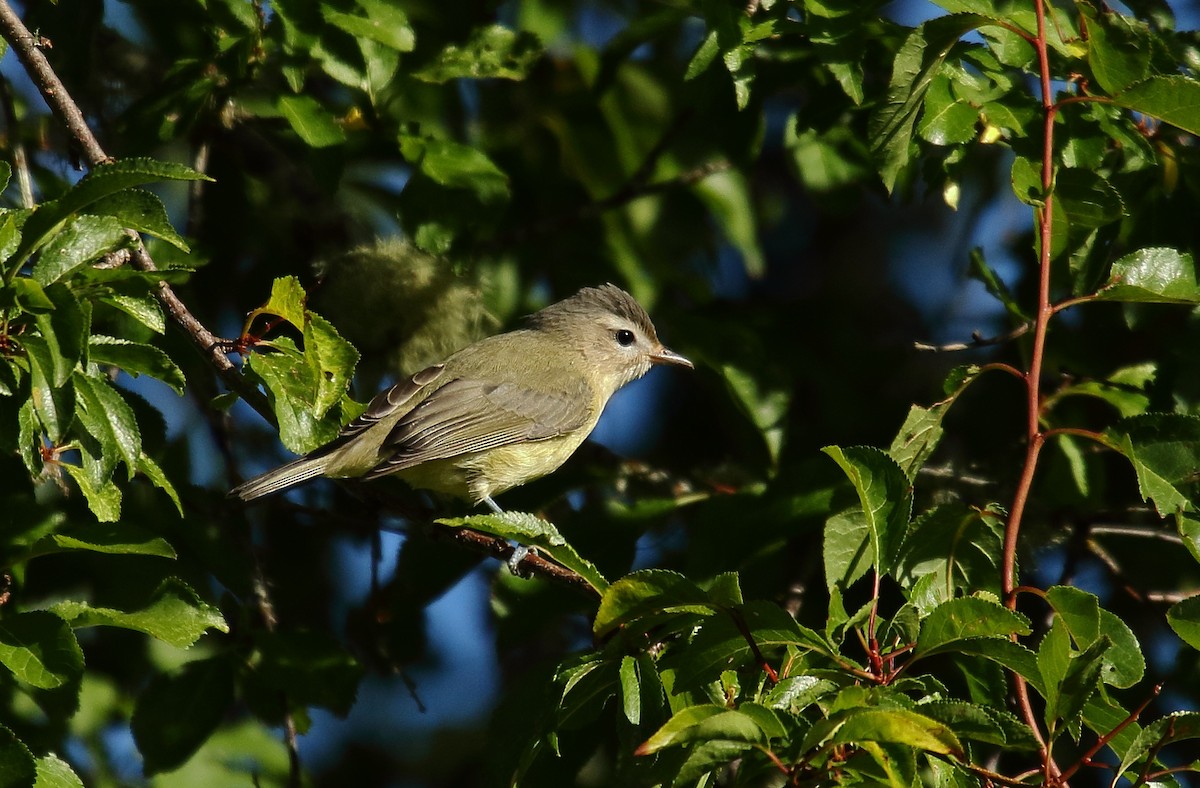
977	341
1103	741
16	144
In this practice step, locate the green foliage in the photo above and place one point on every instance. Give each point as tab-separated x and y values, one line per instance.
743	611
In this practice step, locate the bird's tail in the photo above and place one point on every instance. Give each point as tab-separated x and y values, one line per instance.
281	478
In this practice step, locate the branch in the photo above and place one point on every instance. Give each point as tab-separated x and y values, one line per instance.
977	340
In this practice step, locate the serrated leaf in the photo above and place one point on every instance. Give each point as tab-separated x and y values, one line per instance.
53	404
1118	50
104	499
110	420
532	531
1184	618
794	694
288	301
101	181
177	712
1081	681
899	726
967	618
83	240
1164	449
648	591
40	649
17	766
1171	99
885	493
847	548
922	430
174	614
917	62
54	772
1177	726
704	724
144	309
492	52
135	358
945	118
950	548
140	210
25	294
333	360
292	386
1154	275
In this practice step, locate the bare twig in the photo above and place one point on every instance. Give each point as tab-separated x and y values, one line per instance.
15	143
977	340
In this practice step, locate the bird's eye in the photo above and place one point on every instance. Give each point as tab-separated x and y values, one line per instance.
625	337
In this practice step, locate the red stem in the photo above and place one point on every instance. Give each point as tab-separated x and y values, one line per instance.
1034	435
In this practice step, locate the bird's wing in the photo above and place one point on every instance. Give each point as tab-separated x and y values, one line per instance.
466	415
390	400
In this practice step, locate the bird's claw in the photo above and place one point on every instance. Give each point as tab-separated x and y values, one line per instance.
519	554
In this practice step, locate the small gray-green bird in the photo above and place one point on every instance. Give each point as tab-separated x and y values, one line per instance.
497	414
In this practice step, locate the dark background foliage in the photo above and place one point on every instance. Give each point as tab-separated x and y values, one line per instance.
430	172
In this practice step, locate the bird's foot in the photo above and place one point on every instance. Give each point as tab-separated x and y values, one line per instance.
520	553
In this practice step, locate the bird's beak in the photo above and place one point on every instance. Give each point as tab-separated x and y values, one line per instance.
665	356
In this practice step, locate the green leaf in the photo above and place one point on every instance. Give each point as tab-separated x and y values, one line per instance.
53	403
532	531
114	539
1171	99
1177	726
794	694
384	23
1153	275
728	197
288	301
899	726
1080	683
1085	199
17	766
966	618
40	649
152	471
137	359
101	181
917	63
1164	449
1184	618
885	494
492	52
110	420
847	548
703	724
104	499
631	693
950	548
292	385
646	592
333	360
946	119
312	123
967	720
83	240
177	712
144	309
174	614
922	430
764	404
25	294
721	644
1118	48
54	772
1123	662
140	210
456	166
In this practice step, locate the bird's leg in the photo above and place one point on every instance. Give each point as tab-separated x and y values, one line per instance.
519	550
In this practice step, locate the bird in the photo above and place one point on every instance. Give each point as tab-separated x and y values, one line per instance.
501	412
